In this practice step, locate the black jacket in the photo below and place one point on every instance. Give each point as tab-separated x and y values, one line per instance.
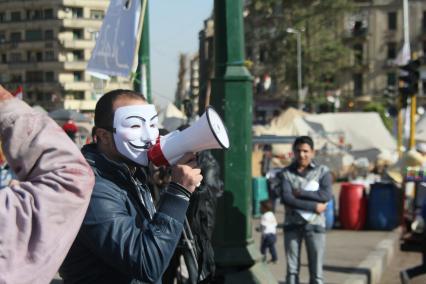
119	241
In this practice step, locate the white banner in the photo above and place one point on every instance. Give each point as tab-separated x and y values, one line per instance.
115	52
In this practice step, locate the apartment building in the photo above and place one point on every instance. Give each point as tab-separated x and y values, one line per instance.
375	31
45	46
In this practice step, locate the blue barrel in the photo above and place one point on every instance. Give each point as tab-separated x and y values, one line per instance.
260	193
382	206
329	214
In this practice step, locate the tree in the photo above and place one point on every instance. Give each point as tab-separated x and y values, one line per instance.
324	54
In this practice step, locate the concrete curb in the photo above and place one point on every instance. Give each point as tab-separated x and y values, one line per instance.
370	270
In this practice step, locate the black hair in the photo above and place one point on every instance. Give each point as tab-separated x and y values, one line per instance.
104	113
303	140
266	205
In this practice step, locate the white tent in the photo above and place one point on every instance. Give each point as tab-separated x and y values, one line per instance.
421	129
171	117
364	132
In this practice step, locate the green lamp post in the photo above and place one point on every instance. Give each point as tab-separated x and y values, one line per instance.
236	255
142	82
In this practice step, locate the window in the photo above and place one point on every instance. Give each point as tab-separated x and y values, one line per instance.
391	79
77	34
391	50
15	57
360	28
2	17
39	56
3	58
392	21
78	76
31	56
97	14
15	36
33	35
78	55
77	13
34	76
34	14
94	35
357	85
48	34
15	78
2	37
49	55
48	13
358	53
79	95
15	16
49	76
75	95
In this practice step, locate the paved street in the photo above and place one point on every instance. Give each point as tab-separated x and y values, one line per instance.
349	254
400	261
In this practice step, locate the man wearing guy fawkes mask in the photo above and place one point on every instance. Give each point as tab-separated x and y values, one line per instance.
123	238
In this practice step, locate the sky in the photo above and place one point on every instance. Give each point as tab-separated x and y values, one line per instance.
174	28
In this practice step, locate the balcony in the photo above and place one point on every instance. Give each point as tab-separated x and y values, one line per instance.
75	65
30	24
80	104
29	44
41	85
29	65
78	44
82	23
86	3
78	86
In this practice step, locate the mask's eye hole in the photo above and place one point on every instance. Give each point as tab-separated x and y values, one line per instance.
135	126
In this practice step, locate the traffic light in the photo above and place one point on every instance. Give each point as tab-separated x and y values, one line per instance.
408	83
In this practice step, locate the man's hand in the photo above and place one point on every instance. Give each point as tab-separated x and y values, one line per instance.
296	193
4	94
320	207
187	173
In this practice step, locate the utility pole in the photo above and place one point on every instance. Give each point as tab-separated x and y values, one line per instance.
404	57
237	257
142	81
299	64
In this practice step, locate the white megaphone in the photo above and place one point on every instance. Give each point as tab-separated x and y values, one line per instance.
208	132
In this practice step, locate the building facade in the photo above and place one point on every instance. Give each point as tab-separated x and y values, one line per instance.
374	32
45	46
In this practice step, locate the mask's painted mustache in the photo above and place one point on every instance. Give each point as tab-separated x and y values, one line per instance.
145	147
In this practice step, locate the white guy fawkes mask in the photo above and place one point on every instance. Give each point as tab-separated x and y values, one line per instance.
135	131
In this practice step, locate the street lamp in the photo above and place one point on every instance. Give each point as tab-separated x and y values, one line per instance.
299	64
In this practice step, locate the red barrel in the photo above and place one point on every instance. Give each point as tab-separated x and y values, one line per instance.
352	206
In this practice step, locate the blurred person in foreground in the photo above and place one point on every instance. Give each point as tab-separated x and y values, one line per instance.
306	189
124	238
418	225
40	214
6	173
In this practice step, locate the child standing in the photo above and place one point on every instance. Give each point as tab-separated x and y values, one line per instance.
268	224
